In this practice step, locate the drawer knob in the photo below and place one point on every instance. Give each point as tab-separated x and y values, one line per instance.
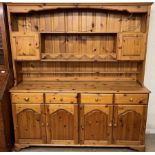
131	99
96	99
115	124
61	99
110	124
27	99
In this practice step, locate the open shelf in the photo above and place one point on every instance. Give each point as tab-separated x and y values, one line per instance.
78	46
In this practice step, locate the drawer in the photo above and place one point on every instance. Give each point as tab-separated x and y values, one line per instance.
27	98
60	98
131	98
97	98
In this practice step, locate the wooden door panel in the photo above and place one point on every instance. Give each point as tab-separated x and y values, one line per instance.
129	124
25	46
29	123
62	124
131	46
96	124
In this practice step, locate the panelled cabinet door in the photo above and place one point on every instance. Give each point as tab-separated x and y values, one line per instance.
62	123
25	46
29	123
131	46
96	124
129	124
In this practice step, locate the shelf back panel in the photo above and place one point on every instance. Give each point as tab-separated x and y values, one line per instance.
80	20
78	71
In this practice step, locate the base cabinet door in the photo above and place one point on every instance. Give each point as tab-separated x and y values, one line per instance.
29	123
62	123
129	124
95	124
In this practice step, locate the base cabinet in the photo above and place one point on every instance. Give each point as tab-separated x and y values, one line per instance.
129	124
96	120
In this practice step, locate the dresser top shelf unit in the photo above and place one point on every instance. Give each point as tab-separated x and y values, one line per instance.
80	43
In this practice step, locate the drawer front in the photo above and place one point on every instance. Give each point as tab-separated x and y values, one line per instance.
131	98
27	98
60	98
97	98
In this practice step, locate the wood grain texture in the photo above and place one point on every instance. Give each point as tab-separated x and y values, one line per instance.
25	46
131	46
62	124
29	123
96	124
131	99
80	70
97	98
29	98
129	126
61	98
106	87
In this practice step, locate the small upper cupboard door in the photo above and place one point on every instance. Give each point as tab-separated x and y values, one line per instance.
25	46
29	123
131	46
96	124
62	124
129	124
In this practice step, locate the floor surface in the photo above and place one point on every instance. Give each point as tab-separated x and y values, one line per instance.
150	147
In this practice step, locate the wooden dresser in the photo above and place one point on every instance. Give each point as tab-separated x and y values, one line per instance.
79	72
6	82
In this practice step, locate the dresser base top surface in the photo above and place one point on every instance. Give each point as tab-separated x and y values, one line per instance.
81	87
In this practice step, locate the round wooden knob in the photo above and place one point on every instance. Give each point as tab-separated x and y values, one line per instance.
110	124
131	99
115	124
27	99
96	99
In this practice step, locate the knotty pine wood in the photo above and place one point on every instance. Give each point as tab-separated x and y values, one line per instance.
96	98
99	116
131	99
57	46
27	98
56	21
129	124
75	71
78	86
91	50
62	123
58	98
29	117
